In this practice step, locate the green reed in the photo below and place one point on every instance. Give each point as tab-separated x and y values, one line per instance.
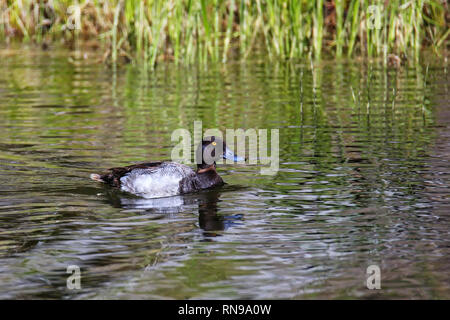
217	30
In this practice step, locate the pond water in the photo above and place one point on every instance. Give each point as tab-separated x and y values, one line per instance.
363	180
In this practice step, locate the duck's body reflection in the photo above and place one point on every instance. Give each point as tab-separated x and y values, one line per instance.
206	202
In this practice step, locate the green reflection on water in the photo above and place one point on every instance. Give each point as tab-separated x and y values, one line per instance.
355	148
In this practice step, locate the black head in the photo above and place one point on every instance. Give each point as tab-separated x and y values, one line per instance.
211	150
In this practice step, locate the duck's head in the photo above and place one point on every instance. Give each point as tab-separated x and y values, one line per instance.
213	149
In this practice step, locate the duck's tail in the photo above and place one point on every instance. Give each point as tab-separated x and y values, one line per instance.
97	177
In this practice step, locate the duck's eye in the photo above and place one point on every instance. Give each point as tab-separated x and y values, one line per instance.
213	143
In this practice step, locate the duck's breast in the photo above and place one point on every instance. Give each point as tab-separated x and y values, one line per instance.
165	180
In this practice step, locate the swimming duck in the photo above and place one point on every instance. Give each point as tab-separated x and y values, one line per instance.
163	179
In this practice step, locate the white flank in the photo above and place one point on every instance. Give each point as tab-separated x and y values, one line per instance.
151	185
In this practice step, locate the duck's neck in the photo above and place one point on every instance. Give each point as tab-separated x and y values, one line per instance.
205	168
208	177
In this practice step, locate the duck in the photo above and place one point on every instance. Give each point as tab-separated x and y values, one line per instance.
163	178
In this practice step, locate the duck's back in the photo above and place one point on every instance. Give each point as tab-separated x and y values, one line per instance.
153	180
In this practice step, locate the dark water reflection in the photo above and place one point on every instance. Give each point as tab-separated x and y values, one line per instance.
363	179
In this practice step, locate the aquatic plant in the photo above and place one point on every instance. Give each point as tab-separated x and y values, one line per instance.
217	30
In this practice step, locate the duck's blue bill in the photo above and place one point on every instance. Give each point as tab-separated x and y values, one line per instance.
230	155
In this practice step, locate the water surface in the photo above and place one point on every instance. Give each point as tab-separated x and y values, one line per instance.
363	179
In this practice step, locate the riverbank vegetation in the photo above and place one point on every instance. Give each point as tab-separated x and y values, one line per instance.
187	31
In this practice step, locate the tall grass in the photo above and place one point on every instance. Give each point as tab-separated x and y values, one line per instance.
217	30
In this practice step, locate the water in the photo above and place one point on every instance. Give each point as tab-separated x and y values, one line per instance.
363	179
